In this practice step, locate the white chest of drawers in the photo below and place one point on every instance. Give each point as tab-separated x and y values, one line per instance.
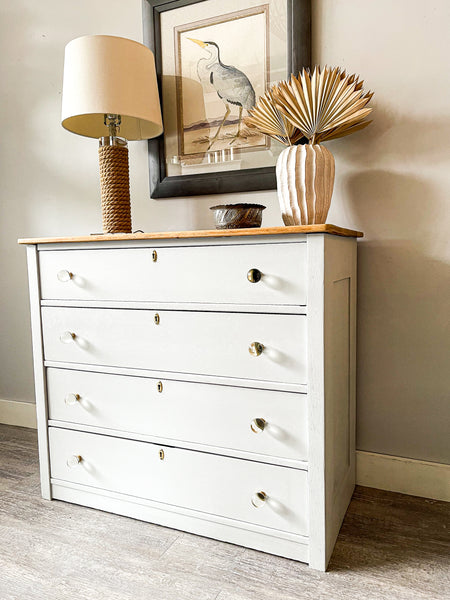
202	380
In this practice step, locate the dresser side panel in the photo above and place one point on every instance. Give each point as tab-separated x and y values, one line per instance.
316	409
339	381
39	370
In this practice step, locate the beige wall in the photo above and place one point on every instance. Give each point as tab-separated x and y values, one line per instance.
393	182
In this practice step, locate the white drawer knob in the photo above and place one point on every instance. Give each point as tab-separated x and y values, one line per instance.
67	337
256	348
258	425
254	275
64	275
258	499
74	461
72	399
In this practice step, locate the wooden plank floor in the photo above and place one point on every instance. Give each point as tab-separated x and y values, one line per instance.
391	546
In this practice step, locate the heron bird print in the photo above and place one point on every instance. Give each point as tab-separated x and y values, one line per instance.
231	84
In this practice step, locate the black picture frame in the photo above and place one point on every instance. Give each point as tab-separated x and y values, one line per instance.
246	180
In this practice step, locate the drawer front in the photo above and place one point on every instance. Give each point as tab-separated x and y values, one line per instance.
203	482
215	415
208	343
208	274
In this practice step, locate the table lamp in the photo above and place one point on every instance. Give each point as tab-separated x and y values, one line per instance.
110	88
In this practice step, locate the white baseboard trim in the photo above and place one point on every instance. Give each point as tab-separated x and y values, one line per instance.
404	475
21	414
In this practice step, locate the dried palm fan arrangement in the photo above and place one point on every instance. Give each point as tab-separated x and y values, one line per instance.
268	119
321	106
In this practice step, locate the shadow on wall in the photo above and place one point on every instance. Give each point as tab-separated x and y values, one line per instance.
403	324
393	135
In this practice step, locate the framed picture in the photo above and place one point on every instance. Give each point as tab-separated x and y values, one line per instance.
213	60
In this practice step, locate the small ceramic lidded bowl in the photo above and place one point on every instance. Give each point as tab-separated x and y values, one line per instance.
237	216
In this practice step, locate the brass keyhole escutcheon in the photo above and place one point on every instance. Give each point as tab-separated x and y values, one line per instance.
161	454
156	319
154	256
159	386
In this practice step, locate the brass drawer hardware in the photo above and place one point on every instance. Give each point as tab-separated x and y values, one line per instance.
258	499
159	386
256	348
67	337
74	460
258	425
154	256
72	399
161	454
64	275
156	319
254	275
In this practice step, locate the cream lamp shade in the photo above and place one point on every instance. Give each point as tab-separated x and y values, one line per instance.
105	74
110	88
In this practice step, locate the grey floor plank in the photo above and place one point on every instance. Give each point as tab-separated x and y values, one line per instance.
391	546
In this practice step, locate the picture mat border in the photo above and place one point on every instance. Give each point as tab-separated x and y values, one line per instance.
220	20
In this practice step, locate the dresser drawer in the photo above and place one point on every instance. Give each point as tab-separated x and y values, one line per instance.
208	274
203	482
214	415
209	343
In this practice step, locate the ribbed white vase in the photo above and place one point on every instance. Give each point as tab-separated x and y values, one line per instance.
305	180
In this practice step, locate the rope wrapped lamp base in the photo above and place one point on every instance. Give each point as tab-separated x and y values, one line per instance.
115	188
